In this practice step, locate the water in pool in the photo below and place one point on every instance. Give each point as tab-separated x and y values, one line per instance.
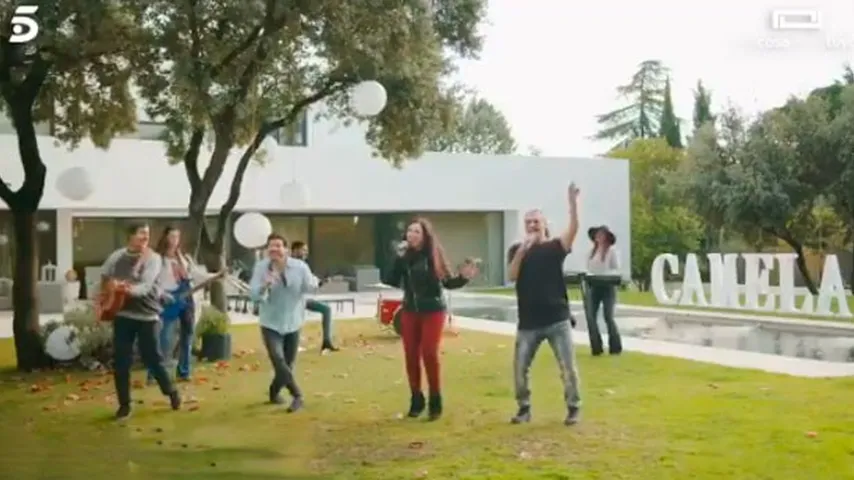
771	339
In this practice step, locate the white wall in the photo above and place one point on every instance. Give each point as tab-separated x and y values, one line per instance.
133	178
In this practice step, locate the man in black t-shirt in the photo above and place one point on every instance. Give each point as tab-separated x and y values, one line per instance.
536	265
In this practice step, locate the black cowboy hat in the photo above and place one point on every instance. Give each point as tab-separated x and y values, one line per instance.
612	239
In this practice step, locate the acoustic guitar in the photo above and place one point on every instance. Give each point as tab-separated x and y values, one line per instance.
113	294
111	299
183	294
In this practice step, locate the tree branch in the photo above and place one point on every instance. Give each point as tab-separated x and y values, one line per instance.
331	87
191	158
239	50
6	193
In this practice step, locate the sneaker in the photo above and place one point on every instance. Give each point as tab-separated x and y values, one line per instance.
175	400
573	416
296	404
522	416
416	405
123	413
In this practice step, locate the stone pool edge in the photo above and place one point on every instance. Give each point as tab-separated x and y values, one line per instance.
798	367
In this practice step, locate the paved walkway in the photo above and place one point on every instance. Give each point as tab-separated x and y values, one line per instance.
365	307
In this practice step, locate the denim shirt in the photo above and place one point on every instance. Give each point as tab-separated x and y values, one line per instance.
282	309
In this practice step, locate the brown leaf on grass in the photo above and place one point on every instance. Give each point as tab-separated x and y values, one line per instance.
416	445
341	375
68	379
37	387
138	384
421	473
524	456
50	408
72	397
350	400
222	365
714	386
216	387
200	380
243	368
811	434
191	400
193	408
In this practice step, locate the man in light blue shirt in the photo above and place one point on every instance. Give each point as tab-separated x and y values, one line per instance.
279	284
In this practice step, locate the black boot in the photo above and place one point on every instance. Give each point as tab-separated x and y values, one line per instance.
123	413
435	407
328	347
416	405
522	416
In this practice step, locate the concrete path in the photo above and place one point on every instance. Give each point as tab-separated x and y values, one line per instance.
365	307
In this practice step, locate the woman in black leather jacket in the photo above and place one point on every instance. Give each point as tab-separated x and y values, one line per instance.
422	271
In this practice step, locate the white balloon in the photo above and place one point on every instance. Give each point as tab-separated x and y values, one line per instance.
368	98
63	344
294	195
75	184
251	230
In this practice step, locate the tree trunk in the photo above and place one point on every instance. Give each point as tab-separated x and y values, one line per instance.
212	255
25	320
802	267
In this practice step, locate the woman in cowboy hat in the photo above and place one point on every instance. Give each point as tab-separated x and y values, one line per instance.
604	260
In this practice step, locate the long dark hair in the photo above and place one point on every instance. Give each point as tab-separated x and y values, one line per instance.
433	248
163	242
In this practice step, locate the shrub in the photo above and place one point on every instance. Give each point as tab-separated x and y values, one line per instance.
95	337
212	322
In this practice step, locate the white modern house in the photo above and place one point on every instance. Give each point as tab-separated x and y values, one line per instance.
355	205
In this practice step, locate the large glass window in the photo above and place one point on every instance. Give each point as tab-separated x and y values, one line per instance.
340	242
295	134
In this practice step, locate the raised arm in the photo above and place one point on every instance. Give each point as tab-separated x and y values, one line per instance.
257	282
515	255
148	276
455	282
394	277
567	238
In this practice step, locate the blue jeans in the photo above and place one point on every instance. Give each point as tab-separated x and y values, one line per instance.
326	318
180	329
559	337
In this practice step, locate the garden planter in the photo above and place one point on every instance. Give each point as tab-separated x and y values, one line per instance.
216	346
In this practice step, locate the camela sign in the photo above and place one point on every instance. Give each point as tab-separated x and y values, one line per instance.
756	294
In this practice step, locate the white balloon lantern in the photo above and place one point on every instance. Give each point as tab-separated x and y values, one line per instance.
75	184
252	229
368	98
294	195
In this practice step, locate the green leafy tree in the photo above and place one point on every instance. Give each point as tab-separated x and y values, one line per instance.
236	71
759	174
660	223
669	128
74	77
641	117
702	106
479	127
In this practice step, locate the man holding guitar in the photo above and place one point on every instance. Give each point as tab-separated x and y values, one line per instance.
179	279
131	298
279	283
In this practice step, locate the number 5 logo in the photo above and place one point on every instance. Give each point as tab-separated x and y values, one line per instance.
24	28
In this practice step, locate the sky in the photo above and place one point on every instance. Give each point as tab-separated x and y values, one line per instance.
552	65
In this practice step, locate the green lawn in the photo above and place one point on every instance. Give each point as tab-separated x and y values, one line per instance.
644	418
647	299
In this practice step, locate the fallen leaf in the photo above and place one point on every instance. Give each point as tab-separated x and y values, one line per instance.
524	456
50	408
340	375
72	397
421	473
811	434
216	387
416	445
350	400
713	386
244	368
138	384
68	379
193	408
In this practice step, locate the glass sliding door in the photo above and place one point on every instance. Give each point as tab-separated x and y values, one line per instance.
340	242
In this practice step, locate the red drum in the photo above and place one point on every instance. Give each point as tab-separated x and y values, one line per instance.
386	308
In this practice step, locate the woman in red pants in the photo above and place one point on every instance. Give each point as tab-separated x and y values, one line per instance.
421	270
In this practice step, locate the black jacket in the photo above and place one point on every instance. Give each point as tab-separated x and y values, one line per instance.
422	290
